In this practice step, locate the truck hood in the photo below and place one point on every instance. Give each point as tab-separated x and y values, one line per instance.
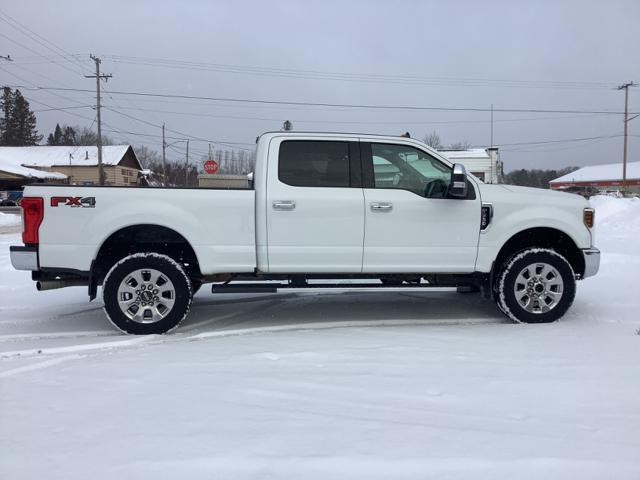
526	195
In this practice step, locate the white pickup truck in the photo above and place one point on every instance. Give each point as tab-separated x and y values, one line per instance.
377	211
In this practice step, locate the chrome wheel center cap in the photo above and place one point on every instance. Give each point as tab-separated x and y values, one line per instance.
146	296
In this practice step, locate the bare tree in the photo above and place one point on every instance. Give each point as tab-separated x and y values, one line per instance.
86	136
464	145
433	140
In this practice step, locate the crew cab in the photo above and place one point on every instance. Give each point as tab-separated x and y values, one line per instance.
326	210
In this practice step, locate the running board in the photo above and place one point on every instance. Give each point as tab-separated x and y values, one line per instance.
261	287
244	288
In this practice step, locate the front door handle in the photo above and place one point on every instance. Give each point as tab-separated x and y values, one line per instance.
381	206
284	205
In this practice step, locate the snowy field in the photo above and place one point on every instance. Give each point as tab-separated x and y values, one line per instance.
324	385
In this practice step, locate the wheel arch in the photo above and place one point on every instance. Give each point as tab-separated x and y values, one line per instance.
138	238
543	237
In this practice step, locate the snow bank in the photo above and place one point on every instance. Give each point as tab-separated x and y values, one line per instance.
616	214
9	219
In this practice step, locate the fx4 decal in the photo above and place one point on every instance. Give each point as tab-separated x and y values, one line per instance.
85	202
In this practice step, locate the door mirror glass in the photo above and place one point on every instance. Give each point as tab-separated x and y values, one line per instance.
458	186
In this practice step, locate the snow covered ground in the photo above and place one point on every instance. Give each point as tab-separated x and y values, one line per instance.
328	385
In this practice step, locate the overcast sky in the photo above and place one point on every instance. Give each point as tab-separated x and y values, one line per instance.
544	55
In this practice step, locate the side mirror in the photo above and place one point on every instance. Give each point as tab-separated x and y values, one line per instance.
458	186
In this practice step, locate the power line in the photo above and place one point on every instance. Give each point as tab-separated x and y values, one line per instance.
26	31
31	89
32	50
357	122
193	137
58	109
566	140
51	108
355	77
343	76
343	105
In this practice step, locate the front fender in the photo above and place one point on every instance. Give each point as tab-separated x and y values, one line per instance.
508	222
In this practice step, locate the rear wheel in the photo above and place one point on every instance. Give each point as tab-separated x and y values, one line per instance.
146	293
536	286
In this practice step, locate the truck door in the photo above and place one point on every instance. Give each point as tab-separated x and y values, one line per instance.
411	224
315	206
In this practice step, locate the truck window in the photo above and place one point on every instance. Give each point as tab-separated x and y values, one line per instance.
305	163
407	168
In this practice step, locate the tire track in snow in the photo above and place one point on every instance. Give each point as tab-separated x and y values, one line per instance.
37	366
129	342
17	337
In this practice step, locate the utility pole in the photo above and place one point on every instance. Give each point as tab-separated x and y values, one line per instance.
7	58
492	124
99	77
164	159
186	167
625	87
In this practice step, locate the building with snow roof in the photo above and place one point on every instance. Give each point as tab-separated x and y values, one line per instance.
74	165
597	178
483	163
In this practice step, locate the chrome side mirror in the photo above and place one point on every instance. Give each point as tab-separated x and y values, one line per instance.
458	186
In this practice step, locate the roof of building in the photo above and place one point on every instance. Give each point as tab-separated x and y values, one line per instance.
17	160
470	153
595	173
46	156
29	172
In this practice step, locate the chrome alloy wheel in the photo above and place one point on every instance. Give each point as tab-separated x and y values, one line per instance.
146	295
538	288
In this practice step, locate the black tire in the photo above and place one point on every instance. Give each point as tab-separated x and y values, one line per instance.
554	297
121	276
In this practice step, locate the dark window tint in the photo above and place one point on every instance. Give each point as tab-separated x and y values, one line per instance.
314	164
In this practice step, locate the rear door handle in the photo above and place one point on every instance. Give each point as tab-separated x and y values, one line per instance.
381	206
284	205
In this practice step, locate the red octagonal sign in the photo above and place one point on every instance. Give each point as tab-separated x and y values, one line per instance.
210	166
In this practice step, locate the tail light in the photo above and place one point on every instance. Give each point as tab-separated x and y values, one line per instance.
32	215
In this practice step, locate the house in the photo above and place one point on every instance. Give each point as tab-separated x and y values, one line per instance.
206	180
597	178
483	163
73	165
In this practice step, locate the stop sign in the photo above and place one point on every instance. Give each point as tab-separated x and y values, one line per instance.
210	166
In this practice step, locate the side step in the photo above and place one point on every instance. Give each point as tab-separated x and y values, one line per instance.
245	288
262	287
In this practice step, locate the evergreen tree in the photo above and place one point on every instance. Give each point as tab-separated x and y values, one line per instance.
55	137
6	105
68	136
21	123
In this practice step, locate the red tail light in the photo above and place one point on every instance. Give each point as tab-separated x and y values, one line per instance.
32	215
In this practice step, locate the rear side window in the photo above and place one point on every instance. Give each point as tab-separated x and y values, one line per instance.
305	163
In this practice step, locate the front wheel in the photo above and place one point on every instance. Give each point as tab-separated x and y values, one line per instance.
146	293
536	286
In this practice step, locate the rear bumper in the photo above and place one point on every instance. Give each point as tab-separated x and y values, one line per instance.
24	258
591	261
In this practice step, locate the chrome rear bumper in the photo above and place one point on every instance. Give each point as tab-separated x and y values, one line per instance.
591	261
24	258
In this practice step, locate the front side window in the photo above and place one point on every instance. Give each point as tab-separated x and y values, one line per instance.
407	168
305	163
